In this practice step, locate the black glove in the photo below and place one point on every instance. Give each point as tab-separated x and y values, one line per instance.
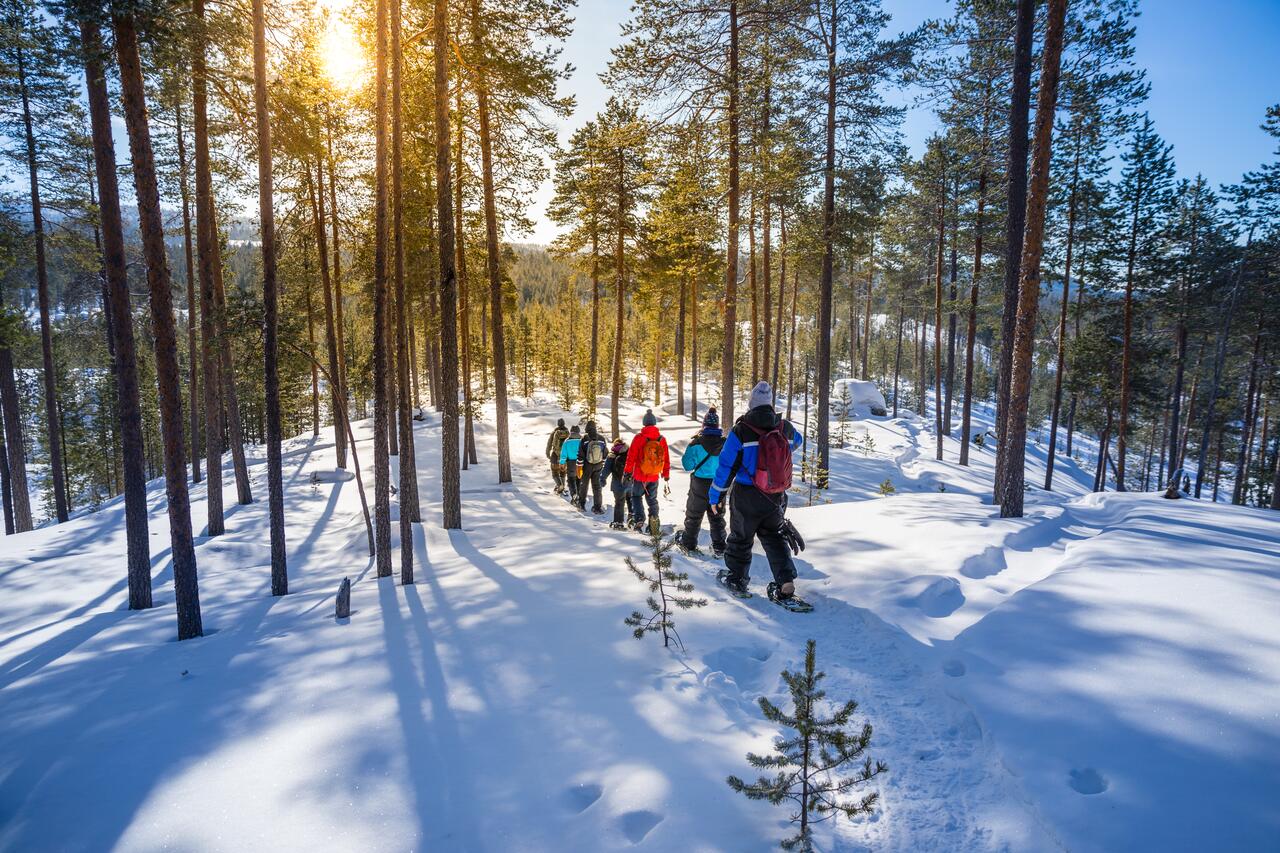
791	536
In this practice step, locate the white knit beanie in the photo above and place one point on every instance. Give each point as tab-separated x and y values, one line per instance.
761	395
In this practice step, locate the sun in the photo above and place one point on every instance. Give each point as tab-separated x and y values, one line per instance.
341	53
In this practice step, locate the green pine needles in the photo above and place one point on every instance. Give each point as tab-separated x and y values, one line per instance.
668	589
808	763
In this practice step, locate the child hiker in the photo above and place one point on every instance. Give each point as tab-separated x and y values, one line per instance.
613	471
701	459
569	460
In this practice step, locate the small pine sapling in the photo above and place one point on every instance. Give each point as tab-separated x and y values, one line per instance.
668	589
868	444
844	405
887	487
809	763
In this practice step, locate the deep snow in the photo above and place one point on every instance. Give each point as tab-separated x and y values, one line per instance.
1100	675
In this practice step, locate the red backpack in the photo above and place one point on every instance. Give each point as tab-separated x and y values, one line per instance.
653	458
773	460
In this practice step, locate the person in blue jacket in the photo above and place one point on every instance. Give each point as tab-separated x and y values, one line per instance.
700	459
754	513
569	459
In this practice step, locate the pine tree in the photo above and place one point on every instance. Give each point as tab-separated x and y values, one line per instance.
449	476
808	764
668	589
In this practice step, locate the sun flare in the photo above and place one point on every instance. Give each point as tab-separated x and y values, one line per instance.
341	53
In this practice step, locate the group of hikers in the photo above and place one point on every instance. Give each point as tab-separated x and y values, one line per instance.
749	468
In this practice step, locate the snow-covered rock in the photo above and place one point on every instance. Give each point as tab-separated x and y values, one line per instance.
865	398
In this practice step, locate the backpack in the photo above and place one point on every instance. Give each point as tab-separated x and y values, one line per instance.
596	452
652	458
773	460
558	439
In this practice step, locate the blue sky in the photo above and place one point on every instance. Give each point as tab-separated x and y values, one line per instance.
1213	67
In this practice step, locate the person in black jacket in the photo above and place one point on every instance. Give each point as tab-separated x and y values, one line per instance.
613	471
700	459
592	453
554	442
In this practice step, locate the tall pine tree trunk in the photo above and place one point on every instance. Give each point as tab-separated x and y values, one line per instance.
381	360
828	259
866	313
1250	414
193	345
938	403
951	302
270	302
495	277
410	510
1126	349
449	478
464	298
791	346
966	414
753	286
338	306
782	293
124	352
316	193
1014	440
1016	198
680	410
897	361
620	290
731	242
52	420
15	454
182	550
1062	323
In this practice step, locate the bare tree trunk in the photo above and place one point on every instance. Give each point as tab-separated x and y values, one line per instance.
124	352
206	250
753	286
309	302
680	352
620	292
495	278
951	313
381	361
464	298
1016	197
966	414
270	300
1247	422
791	346
1014	440
828	251
337	394
449	480
767	276
16	454
897	362
193	346
731	243
938	403
182	553
6	486
410	510
866	318
693	349
595	314
1126	351
1062	324
341	377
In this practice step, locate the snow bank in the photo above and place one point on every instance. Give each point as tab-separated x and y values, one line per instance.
865	398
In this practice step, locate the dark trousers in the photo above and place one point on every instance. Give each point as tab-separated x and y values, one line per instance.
643	494
557	474
571	479
621	504
694	509
757	515
590	480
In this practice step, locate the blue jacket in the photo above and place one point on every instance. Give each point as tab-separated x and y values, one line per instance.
703	454
569	450
740	449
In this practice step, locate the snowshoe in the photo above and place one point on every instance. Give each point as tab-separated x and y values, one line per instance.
718	553
735	589
617	525
791	602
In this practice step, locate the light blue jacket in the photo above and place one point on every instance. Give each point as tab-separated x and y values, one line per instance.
569	450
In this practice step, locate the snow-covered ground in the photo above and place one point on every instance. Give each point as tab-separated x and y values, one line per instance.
1103	674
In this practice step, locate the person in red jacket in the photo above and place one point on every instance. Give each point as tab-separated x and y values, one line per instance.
647	460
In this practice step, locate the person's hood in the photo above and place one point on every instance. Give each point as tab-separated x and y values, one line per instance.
763	417
592	433
712	431
619	446
651	432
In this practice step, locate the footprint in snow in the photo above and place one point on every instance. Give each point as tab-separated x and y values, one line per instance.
937	596
1088	781
744	665
954	668
636	825
579	798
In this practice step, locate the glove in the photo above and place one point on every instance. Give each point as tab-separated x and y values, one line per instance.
791	536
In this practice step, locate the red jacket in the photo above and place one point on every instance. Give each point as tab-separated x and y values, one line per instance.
649	433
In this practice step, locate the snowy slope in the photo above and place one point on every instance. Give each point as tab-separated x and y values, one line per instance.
1119	644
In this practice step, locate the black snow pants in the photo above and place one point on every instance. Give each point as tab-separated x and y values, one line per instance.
694	509
590	480
755	514
571	479
621	504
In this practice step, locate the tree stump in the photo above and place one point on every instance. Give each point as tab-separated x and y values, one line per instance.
342	608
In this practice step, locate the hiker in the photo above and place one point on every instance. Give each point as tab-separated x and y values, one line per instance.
613	471
647	460
756	461
700	459
592	451
569	461
554	442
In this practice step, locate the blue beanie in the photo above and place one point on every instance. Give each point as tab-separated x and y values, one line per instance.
650	419
711	420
